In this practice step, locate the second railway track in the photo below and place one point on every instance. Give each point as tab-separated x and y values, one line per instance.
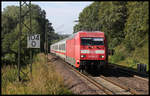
127	80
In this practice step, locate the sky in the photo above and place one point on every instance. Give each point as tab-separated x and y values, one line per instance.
61	14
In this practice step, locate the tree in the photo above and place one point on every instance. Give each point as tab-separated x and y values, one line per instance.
88	18
112	17
10	30
108	17
137	24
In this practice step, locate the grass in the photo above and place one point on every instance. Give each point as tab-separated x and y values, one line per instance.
45	80
131	59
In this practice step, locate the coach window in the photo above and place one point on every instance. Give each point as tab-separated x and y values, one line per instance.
56	47
64	47
60	47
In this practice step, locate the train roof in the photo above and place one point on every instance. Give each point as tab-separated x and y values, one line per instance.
73	35
90	31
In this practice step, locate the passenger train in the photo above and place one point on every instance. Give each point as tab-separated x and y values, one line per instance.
84	50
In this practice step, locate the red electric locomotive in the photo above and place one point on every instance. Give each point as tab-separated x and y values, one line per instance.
83	50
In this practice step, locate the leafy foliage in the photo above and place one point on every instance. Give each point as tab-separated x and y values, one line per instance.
108	17
137	25
45	79
10	30
126	25
122	22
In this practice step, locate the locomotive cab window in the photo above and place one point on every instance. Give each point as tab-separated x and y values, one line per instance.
92	41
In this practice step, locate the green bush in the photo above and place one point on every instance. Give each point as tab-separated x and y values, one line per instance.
132	62
45	80
117	57
129	47
10	75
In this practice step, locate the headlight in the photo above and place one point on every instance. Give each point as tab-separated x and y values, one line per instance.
85	51
82	56
101	56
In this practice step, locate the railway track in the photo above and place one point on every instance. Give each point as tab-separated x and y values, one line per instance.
127	80
135	76
101	87
132	91
131	73
122	90
107	86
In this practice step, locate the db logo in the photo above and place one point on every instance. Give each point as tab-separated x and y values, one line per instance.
92	56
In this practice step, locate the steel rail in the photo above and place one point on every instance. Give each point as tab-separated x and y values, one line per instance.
132	91
128	69
136	76
129	72
103	88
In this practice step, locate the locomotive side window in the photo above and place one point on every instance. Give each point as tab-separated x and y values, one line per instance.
92	41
